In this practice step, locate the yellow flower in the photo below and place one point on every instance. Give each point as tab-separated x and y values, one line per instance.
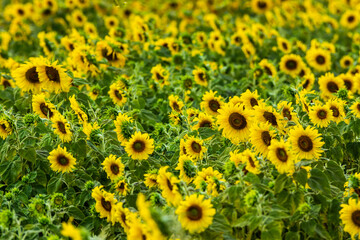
105	203
43	108
282	156
77	109
337	108
61	160
113	167
168	184
321	116
346	61
140	146
200	76
263	113
121	186
252	164
203	121
329	84
195	214
68	230
123	128
319	59
235	122
187	168
261	6
122	215
355	109
291	64
261	136
160	75
211	103
27	77
350	19
61	127
195	148
175	103
117	94
306	143
151	179
350	216
5	128
250	99
212	179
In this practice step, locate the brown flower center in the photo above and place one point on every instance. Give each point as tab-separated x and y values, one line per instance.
321	114
196	147
106	204
347	62
118	94
351	19
237	121
355	217
320	59
305	143
52	74
6	84
32	75
291	64
332	87
358	106
176	106
306	84
46	110
62	160
253	102
201	76
214	105
114	169
285	46
348	84
270	117
286	113
265	136
281	154
251	161
138	146
335	111
169	184
205	123
268	71
194	213
61	127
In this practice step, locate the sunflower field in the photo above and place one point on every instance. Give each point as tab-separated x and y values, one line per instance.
174	119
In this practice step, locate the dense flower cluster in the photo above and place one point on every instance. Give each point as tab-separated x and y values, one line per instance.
179	119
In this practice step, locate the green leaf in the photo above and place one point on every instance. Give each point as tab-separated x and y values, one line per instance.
76	213
318	181
292	236
280	183
220	224
319	229
41	178
206	132
336	174
10	170
301	177
147	115
28	154
272	231
54	185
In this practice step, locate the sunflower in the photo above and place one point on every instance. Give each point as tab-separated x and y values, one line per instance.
210	180
261	136
168	184
350	19
211	103
306	143
282	156
187	168
160	75
319	59
195	148
329	84
111	22
192	113
78	18
349	82
113	167
140	146
61	127
137	229
5	127
337	107
350	216
69	231
117	94
105	203
195	214
284	45
261	6
346	61
122	215
248	49
61	160
175	103
151	178
27	77
235	122
287	111
320	115
355	109
308	81
250	99
94	92
203	121
291	64
239	38
114	58
268	67
6	83
43	108
77	109
251	163
263	113
121	186
123	128
200	76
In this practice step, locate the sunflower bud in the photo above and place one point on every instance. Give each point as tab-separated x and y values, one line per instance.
89	185
229	168
29	119
43	220
58	200
96	136
5	218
